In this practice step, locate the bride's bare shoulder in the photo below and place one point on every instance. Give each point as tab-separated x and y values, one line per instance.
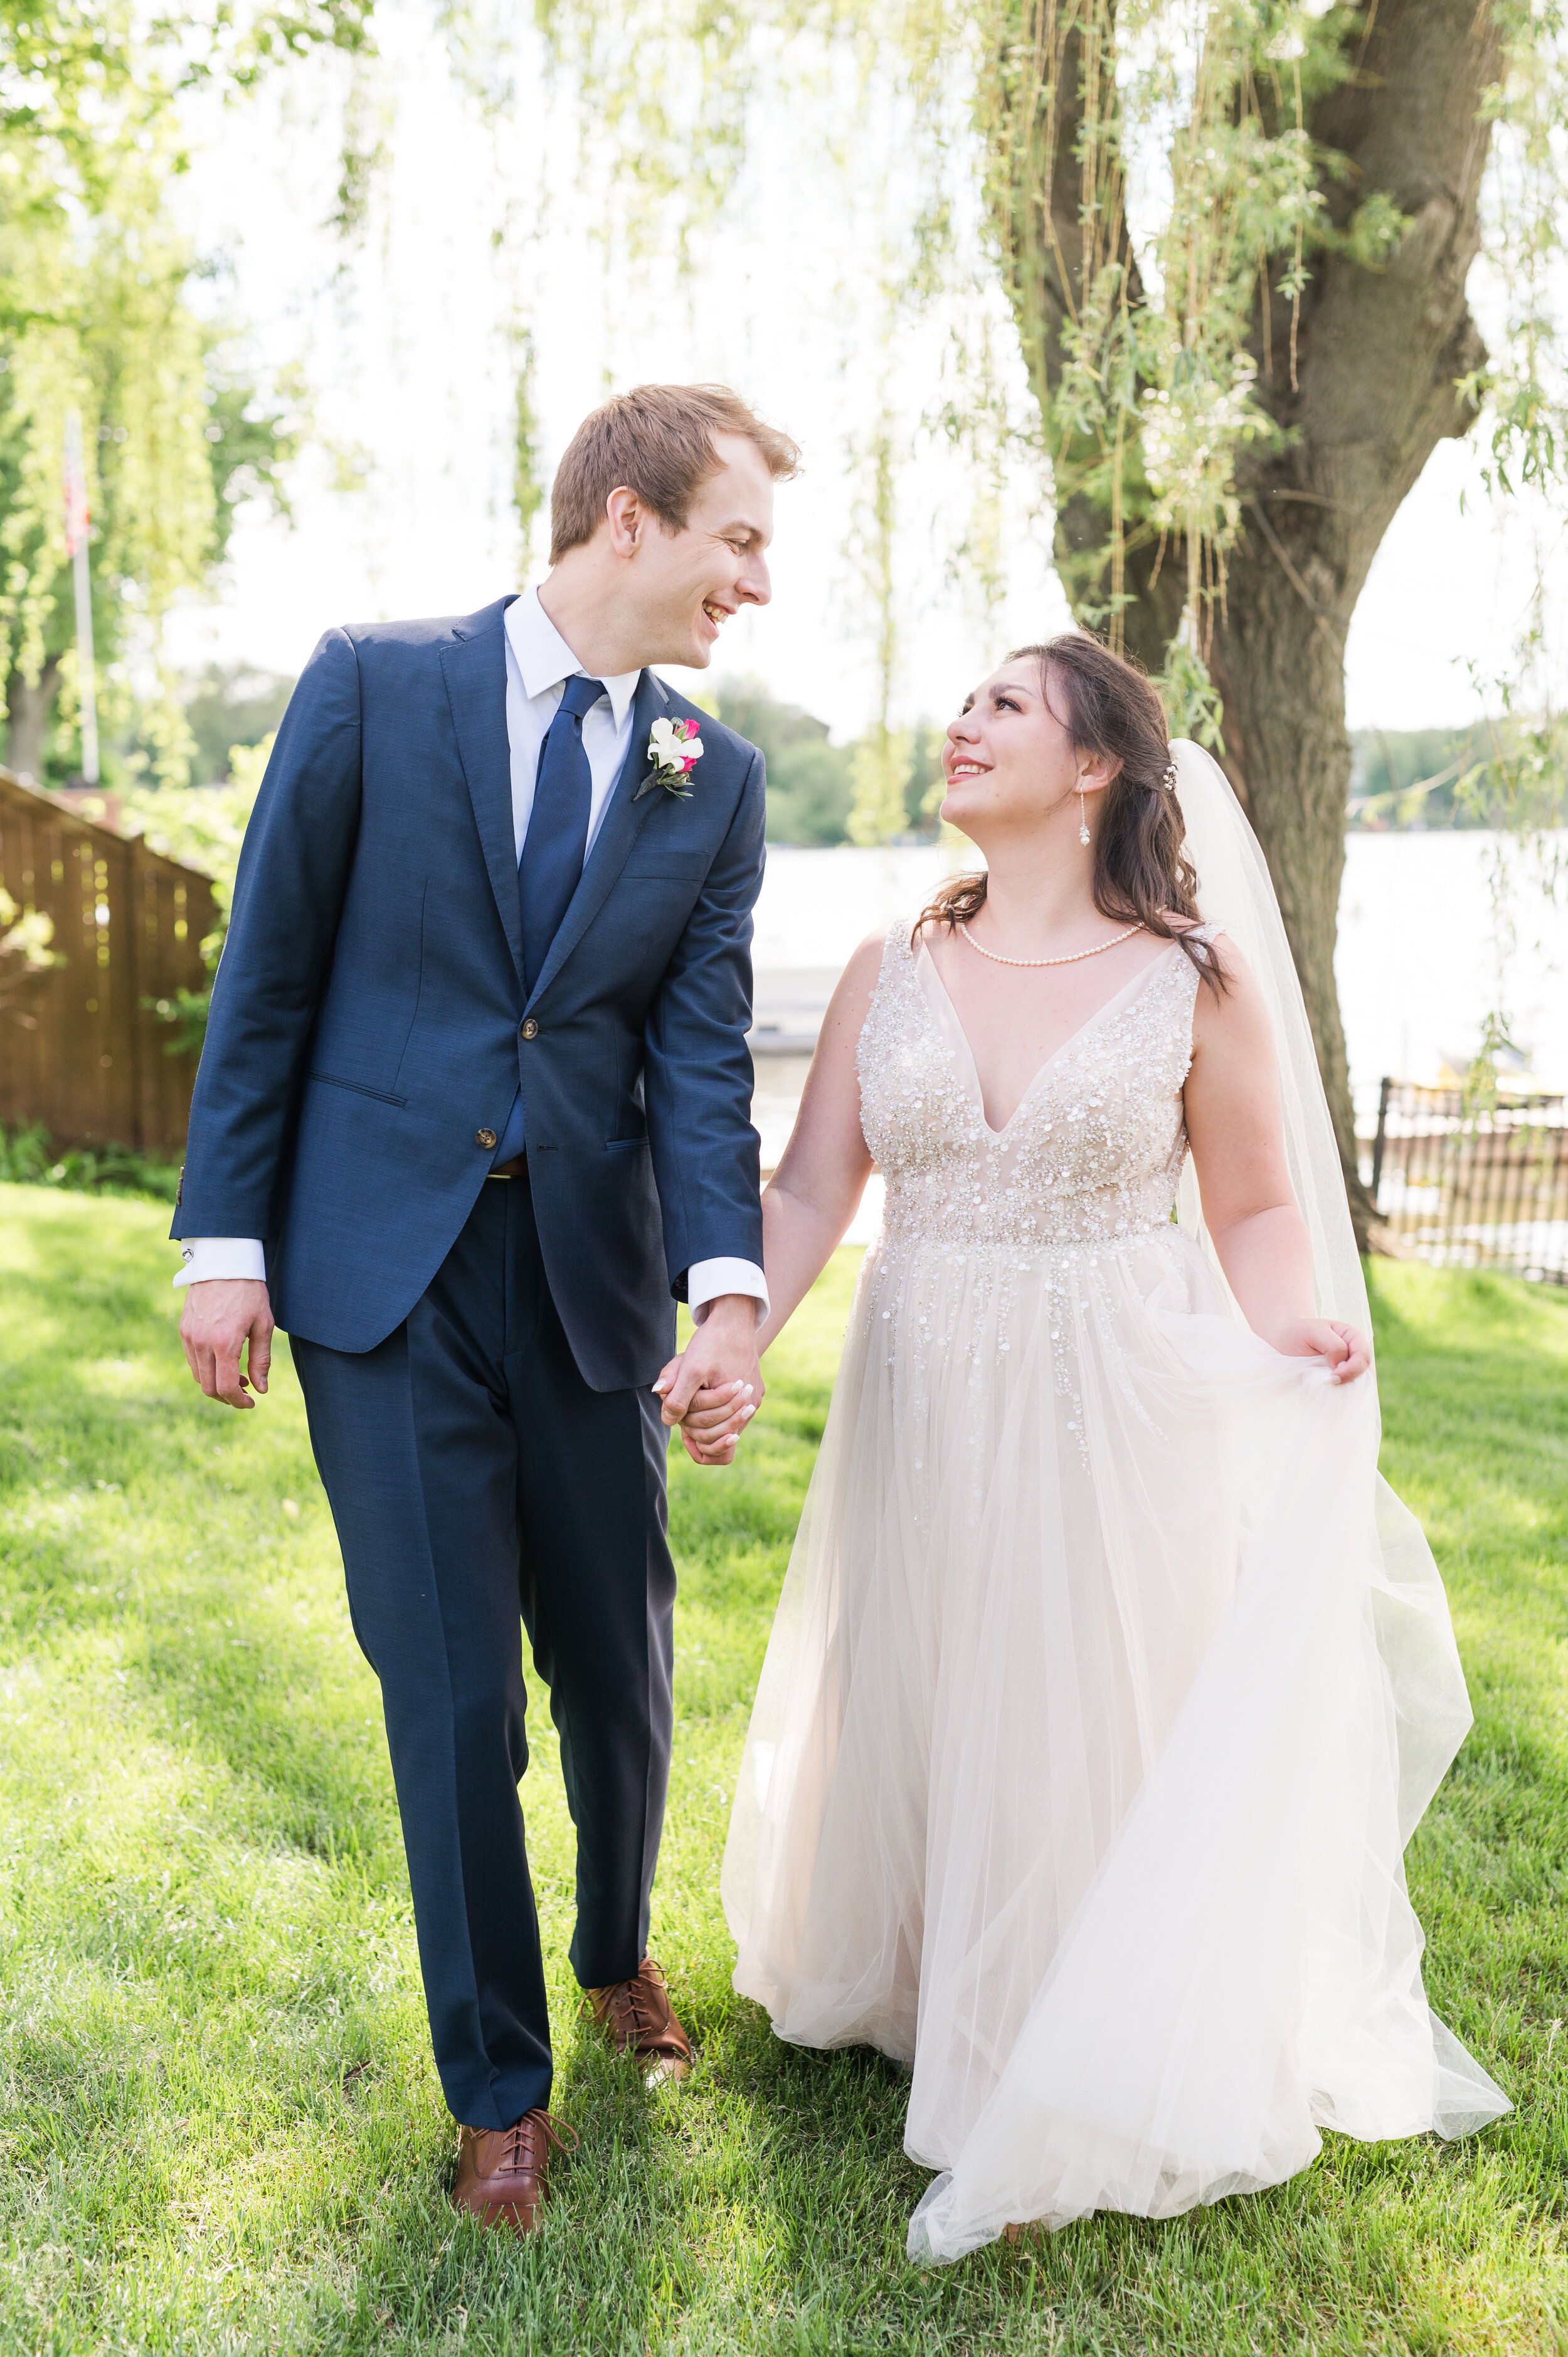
866	963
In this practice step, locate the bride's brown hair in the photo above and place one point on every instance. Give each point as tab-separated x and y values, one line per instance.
1142	876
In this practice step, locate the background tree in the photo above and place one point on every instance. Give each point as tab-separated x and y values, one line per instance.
1312	344
95	315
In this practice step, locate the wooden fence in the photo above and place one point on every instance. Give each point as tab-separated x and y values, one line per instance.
80	1050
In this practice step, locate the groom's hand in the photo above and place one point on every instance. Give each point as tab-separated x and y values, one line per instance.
221	1316
714	1388
714	1421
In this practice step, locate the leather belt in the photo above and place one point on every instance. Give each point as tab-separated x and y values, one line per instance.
516	1168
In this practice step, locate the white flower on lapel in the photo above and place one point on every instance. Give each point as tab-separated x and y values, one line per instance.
674	749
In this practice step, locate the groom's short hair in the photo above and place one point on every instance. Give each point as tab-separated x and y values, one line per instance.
657	441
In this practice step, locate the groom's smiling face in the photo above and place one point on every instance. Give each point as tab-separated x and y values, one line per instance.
687	584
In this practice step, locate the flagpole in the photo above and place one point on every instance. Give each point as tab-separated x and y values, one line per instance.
78	531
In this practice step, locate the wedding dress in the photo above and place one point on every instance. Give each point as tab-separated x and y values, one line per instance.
1109	1680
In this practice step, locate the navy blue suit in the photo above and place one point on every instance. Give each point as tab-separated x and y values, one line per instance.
475	1355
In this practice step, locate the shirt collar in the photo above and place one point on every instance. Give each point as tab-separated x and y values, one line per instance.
545	660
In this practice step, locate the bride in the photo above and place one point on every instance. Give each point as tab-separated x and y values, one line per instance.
1109	1681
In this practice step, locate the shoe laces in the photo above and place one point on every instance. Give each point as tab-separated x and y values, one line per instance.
633	2006
516	2152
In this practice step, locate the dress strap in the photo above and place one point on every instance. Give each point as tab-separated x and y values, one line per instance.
896	949
1206	935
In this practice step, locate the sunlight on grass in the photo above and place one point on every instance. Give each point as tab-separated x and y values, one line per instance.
222	2130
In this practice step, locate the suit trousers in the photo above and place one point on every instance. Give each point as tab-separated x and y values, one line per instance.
480	1488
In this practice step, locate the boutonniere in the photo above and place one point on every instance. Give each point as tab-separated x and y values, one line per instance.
674	749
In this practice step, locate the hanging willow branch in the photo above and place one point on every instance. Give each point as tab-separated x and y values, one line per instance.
1140	360
1156	200
96	317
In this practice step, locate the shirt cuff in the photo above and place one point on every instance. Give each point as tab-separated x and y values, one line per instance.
707	1279
207	1256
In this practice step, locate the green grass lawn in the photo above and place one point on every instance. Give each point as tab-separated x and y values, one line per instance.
221	2129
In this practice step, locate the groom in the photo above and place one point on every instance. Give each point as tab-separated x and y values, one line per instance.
473	1113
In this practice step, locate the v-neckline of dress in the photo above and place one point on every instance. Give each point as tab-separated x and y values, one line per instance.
950	1025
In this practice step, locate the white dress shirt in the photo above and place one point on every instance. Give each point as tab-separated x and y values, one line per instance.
538	664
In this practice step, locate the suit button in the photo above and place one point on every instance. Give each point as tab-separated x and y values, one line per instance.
530	1029
484	1138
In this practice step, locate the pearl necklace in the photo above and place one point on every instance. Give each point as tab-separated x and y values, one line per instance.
997	959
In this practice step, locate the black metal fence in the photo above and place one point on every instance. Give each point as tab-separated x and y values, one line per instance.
1470	1182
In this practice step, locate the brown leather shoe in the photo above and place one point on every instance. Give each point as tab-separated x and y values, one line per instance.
641	2022
502	2172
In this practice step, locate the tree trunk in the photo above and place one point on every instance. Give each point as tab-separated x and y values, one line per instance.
1281	671
1379	353
30	709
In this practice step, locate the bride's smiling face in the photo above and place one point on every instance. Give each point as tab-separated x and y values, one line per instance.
1009	760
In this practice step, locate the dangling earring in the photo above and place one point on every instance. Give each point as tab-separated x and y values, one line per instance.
1083	834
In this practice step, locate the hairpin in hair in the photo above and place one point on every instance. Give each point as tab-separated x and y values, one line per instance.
1169	779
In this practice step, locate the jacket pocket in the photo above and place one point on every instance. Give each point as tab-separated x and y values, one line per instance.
331	1080
654	867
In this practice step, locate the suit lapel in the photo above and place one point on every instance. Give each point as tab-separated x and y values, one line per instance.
474	671
612	845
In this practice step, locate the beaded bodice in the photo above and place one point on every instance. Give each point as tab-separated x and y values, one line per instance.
1094	1151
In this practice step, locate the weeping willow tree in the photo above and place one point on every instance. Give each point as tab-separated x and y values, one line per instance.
1236	408
96	316
1237	239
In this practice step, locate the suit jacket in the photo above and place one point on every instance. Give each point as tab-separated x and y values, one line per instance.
369	1020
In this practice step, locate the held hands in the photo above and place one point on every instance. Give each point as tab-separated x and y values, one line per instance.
1345	1351
221	1314
715	1387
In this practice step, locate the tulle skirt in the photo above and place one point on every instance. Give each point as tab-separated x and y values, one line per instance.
1107	1686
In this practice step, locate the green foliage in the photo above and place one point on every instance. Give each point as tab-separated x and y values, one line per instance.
813	785
96	317
223	2127
100	327
1154	398
251	439
1191	697
670	83
753	711
1413	778
1524	385
363	155
528	489
810	790
184	1015
27	1156
1143	351
203	827
230	704
809	782
882	757
880	775
1517	780
25	935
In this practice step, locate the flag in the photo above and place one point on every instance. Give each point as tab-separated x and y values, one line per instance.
78	514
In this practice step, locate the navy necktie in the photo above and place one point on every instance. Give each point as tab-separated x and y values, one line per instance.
557	833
